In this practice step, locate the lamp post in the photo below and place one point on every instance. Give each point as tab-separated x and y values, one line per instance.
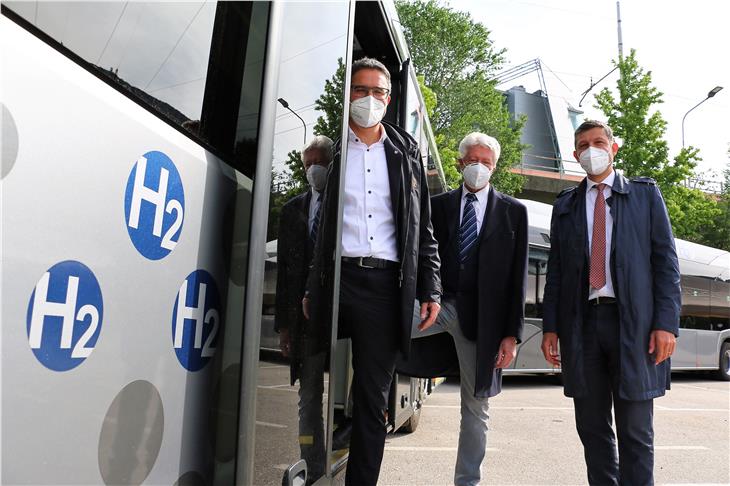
712	93
286	105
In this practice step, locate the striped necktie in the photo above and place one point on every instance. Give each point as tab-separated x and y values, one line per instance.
468	229
315	221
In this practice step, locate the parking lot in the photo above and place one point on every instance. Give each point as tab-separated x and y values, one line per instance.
532	437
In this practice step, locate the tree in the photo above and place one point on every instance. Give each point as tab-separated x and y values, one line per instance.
645	152
455	59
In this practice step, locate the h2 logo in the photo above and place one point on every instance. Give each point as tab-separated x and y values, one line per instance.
196	320
64	316
154	205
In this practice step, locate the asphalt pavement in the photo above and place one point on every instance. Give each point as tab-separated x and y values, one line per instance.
532	438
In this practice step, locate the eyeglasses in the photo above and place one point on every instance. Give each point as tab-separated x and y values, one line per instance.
363	91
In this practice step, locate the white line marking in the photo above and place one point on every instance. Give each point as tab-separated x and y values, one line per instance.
681	448
270	367
670	409
427	448
503	408
274	387
269	424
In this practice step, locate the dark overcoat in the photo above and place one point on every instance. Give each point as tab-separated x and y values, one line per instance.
495	309
645	276
417	248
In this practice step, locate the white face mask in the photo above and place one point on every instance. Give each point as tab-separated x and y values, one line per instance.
476	175
594	160
317	176
367	111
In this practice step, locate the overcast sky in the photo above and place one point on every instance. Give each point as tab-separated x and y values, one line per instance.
684	44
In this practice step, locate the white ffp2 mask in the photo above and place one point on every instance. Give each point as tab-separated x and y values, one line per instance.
594	160
317	176
477	175
367	111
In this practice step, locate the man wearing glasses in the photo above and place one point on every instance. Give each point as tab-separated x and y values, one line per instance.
389	258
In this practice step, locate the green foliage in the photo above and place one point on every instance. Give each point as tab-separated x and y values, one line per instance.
718	235
632	115
429	97
455	59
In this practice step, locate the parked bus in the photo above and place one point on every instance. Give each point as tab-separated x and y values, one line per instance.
704	334
139	146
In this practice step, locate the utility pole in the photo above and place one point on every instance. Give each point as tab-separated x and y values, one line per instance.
620	39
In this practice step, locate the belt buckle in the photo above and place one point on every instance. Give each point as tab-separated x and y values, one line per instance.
361	264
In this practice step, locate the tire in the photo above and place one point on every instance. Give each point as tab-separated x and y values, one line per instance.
412	423
723	373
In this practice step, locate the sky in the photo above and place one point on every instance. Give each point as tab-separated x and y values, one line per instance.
683	44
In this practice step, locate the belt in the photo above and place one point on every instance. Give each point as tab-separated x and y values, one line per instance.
602	301
370	262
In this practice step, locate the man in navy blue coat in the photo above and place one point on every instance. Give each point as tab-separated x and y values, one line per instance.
612	300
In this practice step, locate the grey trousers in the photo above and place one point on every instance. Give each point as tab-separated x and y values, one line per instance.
311	423
474	416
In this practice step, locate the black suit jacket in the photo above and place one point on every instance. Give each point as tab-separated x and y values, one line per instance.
294	251
500	293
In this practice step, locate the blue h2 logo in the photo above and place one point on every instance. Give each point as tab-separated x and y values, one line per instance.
64	316
196	320
154	205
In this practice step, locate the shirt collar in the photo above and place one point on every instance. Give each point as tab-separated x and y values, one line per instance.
315	193
481	194
351	137
608	181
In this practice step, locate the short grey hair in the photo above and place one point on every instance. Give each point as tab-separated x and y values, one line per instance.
320	142
479	139
370	63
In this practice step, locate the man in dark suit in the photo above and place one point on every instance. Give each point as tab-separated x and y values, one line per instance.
389	257
482	236
612	301
299	340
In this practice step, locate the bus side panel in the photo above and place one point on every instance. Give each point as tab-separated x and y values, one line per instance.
63	200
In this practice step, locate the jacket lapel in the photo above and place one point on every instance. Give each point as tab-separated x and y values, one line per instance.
452	213
394	159
493	214
621	187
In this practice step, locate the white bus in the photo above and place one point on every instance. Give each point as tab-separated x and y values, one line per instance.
704	335
139	146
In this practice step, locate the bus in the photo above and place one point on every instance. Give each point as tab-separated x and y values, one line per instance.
143	155
704	334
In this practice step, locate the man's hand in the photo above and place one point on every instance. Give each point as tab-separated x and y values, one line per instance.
550	348
305	307
284	342
663	343
507	352
429	311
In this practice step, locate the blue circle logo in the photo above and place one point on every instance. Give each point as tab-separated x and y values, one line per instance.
64	316
196	320
154	205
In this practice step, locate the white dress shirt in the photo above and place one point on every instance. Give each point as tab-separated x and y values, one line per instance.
313	207
591	194
368	225
480	205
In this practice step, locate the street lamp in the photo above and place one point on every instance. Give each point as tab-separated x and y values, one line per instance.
286	105
712	93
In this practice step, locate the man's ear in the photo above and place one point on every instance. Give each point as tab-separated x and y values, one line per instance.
614	148
387	101
575	155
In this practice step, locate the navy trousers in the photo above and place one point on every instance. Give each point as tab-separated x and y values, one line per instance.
369	314
634	463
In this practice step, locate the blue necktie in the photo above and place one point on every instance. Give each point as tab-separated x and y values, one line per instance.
315	221
468	229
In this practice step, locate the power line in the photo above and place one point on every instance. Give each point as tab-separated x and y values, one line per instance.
124	9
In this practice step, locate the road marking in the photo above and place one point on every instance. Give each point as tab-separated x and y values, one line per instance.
670	409
429	449
503	408
269	424
272	366
681	448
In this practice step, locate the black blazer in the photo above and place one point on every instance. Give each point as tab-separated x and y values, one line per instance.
500	293
417	252
294	251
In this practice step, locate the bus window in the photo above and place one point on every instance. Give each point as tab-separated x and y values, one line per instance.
720	304
161	55
292	398
537	269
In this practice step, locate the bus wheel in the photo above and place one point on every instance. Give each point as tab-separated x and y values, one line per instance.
724	372
412	423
